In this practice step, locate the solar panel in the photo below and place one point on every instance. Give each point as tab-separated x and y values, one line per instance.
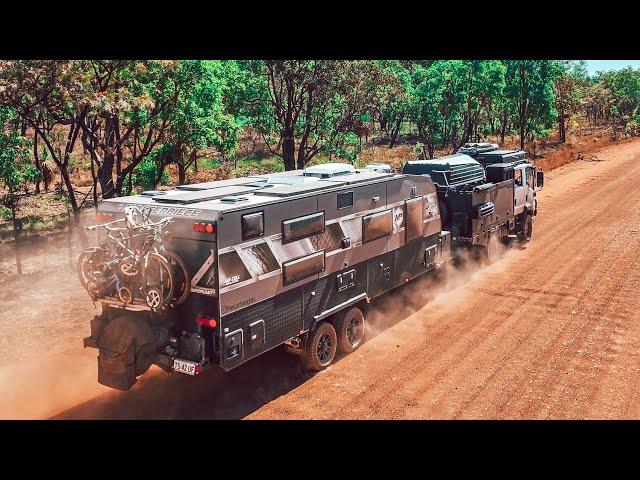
204	195
216	184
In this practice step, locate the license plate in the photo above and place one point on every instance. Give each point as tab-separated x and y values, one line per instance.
184	366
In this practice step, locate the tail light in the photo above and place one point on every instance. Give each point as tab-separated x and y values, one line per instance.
206	321
204	227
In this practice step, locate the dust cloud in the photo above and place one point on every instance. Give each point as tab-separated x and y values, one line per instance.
441	288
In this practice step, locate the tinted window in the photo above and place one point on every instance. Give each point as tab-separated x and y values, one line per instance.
377	225
302	227
252	225
231	269
413	227
345	200
303	267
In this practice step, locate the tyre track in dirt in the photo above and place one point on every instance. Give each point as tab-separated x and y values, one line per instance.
570	328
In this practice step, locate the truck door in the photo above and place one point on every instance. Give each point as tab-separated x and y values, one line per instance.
519	190
530	183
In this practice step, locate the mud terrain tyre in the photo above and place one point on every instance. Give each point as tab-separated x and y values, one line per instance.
524	235
320	348
349	327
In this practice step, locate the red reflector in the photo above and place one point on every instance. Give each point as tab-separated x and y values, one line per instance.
209	228
206	321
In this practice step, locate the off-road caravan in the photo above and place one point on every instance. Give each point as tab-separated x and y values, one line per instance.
216	273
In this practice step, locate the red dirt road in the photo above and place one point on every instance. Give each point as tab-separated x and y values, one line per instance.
548	331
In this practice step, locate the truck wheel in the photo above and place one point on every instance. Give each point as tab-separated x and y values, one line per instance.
320	348
349	326
524	235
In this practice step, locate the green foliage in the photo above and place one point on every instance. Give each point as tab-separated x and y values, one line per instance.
5	212
133	118
16	172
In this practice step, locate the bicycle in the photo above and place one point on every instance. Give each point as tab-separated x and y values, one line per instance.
134	262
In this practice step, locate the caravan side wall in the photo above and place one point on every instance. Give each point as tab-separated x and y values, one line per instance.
261	310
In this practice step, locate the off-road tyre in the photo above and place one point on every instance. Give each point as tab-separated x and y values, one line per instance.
525	233
349	327
320	348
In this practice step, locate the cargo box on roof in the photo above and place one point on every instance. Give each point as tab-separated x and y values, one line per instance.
500	156
452	170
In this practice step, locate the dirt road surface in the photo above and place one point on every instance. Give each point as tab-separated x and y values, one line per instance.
549	331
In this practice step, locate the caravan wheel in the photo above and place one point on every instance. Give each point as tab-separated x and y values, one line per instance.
349	326
320	348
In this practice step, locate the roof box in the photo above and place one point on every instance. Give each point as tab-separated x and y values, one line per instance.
500	156
474	149
328	170
451	171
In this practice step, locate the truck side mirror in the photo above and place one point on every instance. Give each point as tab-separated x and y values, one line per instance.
539	179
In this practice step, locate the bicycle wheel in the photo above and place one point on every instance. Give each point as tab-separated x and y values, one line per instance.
159	277
90	264
181	280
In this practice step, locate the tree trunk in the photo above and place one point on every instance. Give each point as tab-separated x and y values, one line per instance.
36	158
94	177
105	174
289	151
396	131
562	128
182	173
70	193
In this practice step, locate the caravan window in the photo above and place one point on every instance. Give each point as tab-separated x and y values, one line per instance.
302	227
345	200
303	267
377	225
252	225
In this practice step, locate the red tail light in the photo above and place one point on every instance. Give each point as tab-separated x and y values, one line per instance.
206	321
204	227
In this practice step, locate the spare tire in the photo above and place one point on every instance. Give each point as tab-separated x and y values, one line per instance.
127	348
